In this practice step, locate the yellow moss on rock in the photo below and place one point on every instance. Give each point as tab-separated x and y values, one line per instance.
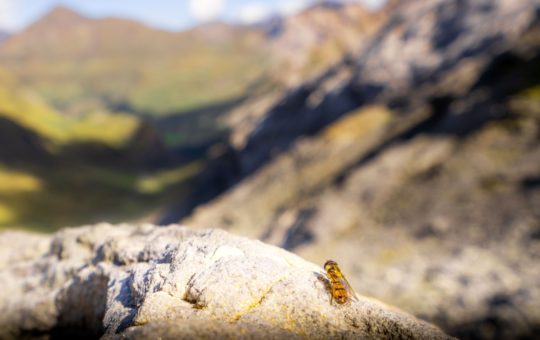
358	123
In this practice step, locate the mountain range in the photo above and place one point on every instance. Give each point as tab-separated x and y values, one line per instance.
123	65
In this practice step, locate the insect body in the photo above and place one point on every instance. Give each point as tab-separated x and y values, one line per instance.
340	289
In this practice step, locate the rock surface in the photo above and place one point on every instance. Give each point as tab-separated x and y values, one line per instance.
174	282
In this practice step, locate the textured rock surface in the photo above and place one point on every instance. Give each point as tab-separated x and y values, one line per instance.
173	282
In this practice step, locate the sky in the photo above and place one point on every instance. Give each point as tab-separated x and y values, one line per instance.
165	14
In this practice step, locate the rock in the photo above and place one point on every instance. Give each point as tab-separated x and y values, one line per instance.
174	282
29	247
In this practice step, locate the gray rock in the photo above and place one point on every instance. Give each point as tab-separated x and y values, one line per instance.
174	282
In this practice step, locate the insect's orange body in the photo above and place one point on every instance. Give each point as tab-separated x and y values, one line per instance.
340	289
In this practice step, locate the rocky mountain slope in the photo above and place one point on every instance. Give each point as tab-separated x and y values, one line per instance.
175	283
305	44
301	47
415	162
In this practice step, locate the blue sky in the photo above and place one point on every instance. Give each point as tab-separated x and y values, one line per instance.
167	14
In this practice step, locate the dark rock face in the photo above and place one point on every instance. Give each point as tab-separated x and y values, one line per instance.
418	162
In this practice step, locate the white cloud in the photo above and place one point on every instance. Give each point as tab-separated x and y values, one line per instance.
8	14
258	11
372	4
205	10
253	13
291	7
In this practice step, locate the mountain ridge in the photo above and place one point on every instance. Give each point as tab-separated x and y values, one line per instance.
94	63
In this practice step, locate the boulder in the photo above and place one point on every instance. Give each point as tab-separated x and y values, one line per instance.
174	282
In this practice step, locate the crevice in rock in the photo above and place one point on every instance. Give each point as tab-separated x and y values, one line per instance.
257	302
82	307
193	299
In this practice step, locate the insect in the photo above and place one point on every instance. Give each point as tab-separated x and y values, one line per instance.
340	289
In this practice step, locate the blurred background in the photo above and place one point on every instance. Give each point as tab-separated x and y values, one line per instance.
399	138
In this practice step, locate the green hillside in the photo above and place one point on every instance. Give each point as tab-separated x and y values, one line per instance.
27	109
58	170
79	64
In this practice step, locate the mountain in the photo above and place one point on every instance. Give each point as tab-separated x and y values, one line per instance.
302	47
414	162
80	64
305	44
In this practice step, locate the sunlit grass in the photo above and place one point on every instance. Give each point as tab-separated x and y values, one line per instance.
77	195
27	109
532	93
158	182
110	129
6	214
12	181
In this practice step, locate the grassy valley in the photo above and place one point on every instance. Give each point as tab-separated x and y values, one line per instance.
107	119
59	170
